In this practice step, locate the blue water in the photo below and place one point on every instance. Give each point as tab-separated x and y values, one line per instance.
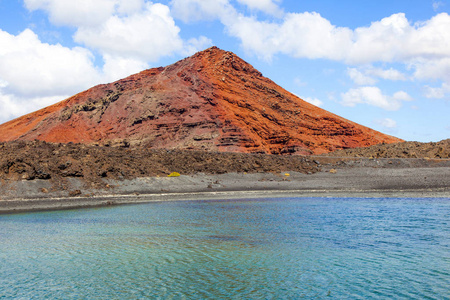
311	248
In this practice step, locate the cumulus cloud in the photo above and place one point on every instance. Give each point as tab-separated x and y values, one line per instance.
147	35
134	30
305	35
437	92
373	96
313	101
299	82
12	106
192	45
402	96
420	46
432	68
437	69
34	74
197	10
369	75
389	74
31	67
423	46
395	39
390	39
359	78
386	123
268	6
437	5
116	67
74	13
83	12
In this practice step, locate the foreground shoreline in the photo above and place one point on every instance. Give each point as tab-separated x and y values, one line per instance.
30	205
364	182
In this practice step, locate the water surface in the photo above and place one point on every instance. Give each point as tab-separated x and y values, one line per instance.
290	248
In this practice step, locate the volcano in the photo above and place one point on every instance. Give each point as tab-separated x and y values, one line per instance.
212	101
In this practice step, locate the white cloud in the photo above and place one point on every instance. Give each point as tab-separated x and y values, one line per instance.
373	96
434	92
437	69
432	68
116	67
390	74
381	41
135	30
268	6
391	39
402	96
313	101
395	39
3	83
365	75
74	13
387	123
83	12
31	67
299	82
35	74
423	46
147	35
299	35
127	7
197	10
437	92
195	44
437	5
308	35
12	106
359	78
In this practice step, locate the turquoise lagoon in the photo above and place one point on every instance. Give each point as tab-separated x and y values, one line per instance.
290	248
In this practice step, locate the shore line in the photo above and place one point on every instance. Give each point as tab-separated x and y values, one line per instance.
63	203
364	182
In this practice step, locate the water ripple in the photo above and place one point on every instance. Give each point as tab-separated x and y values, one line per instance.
253	249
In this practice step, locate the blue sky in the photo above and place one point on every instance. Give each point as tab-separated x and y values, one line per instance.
383	64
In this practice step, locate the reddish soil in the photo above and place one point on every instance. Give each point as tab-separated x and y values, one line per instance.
211	101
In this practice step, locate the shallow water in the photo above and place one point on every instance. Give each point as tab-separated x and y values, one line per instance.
248	249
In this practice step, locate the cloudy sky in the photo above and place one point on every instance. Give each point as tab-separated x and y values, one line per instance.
382	63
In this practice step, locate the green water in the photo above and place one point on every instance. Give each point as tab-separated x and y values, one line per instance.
248	249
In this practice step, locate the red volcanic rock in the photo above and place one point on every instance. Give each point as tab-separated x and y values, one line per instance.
212	101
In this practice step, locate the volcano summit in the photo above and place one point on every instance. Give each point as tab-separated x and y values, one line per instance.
211	101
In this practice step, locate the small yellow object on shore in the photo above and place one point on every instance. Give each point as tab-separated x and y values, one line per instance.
287	174
333	171
174	174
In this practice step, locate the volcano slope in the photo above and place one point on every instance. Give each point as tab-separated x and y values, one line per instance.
212	101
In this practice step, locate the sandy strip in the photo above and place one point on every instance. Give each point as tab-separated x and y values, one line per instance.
349	182
26	205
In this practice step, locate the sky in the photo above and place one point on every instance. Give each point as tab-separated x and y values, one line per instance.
384	64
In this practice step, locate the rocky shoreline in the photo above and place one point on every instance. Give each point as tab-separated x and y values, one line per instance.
354	181
41	176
